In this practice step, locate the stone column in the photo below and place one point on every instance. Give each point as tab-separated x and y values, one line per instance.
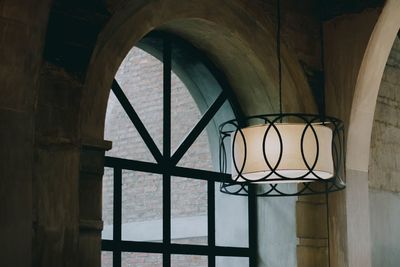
56	172
312	231
90	201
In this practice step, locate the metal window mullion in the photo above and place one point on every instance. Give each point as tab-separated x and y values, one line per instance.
166	152
167	220
117	217
134	117
211	221
198	128
166	166
135	165
252	213
181	249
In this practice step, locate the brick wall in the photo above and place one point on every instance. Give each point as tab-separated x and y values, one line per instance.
140	76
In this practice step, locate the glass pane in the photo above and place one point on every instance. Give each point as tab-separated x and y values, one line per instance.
188	211
194	90
204	153
231	262
106	259
141	206
198	155
129	259
126	141
231	220
185	113
141	78
108	205
189	261
188	65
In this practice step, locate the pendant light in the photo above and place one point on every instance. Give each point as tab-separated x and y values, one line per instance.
284	148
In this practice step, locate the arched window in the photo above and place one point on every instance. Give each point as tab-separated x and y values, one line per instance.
161	199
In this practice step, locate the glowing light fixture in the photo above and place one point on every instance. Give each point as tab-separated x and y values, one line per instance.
283	151
277	149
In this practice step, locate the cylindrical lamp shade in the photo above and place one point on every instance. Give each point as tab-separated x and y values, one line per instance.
282	153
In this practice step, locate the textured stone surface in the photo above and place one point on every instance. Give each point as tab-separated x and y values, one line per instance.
312	230
346	39
384	166
57	166
16	141
56	206
22	31
41	130
90	200
223	32
312	256
311	220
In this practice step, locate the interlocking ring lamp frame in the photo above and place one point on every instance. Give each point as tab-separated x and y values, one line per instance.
273	157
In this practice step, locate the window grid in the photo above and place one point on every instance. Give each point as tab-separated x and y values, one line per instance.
166	165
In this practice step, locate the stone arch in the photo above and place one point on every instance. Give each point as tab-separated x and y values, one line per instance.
233	39
237	36
368	84
359	133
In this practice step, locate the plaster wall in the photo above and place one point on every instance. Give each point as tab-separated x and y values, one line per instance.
277	237
385	218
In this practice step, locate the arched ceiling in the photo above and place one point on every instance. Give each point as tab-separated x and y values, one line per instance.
336	8
74	27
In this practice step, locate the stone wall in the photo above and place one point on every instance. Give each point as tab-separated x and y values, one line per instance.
43	126
22	27
384	167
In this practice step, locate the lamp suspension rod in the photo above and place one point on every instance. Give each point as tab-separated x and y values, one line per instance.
323	113
278	52
321	30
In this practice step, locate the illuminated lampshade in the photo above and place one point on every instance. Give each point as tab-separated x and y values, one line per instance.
282	152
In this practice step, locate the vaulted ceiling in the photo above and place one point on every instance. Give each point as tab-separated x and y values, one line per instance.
74	26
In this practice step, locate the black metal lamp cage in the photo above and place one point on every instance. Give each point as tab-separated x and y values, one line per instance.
274	182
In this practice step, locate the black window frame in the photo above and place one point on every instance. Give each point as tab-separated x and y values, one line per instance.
166	165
